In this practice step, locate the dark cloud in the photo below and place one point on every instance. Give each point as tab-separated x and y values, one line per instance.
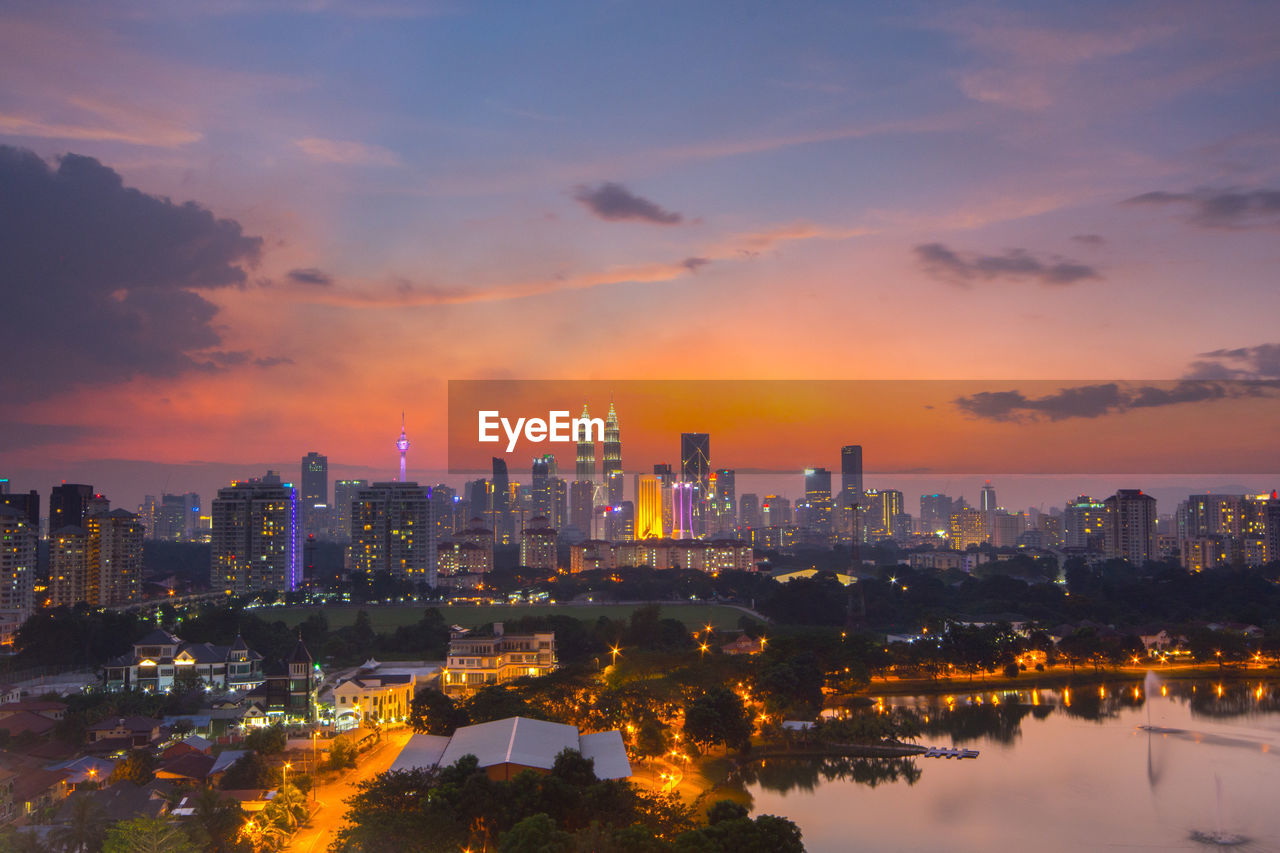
1019	264
1258	362
1094	401
101	282
16	436
310	275
271	361
1222	208
616	203
1090	239
694	264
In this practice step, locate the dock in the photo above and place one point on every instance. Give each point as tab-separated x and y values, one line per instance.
948	752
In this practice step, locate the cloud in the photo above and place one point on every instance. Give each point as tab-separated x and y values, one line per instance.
1089	239
694	264
1222	208
615	203
1257	362
15	435
102	282
1019	264
310	275
1095	401
346	153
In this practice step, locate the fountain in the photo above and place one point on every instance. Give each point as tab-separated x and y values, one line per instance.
1219	837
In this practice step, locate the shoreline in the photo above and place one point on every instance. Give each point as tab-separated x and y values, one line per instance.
1057	677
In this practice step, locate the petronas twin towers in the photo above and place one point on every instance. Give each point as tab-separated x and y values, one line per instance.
612	461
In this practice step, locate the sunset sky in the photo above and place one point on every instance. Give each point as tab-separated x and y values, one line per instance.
233	231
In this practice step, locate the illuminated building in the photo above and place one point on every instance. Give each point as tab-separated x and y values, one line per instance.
612	461
987	500
372	697
67	504
1131	527
1204	552
648	507
581	504
538	545
776	510
159	658
114	558
344	495
613	486
27	503
749	511
682	510
1085	521
18	539
667	477
177	518
968	528
478	660
586	455
68	565
1006	528
500	518
315	494
444	503
149	514
850	481
935	512
543	470
255	537
817	493
475	533
695	470
723	502
391	531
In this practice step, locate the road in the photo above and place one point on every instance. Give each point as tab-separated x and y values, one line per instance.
331	797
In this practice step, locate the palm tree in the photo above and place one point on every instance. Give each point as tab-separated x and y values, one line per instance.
85	829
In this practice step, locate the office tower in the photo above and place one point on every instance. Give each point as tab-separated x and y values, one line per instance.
1006	527
663	472
444	500
749	511
4	486
149	514
559	503
97	505
391	531
542	471
667	477
114	558
538	545
479	540
1085	521
723	502
586	456
402	445
171	518
968	528
935	512
987	501
777	511
1131	527
67	504
27	503
68	566
817	493
344	494
695	469
1214	515
18	539
501	520
613	484
648	524
851	473
682	496
255	537
581	506
891	509
612	462
314	493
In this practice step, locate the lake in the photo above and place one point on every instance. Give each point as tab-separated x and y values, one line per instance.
1058	770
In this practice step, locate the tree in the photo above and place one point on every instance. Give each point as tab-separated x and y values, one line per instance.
496	702
717	716
250	771
342	754
216	822
288	809
147	835
85	828
269	740
434	713
652	738
535	834
137	767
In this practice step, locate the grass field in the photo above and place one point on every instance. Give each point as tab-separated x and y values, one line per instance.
389	617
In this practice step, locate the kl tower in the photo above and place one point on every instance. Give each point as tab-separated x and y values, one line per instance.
402	444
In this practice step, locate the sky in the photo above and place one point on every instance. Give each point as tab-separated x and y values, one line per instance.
234	231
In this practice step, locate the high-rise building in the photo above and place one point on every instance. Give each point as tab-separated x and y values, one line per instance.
776	510
749	511
722	502
149	515
68	566
114	558
67	503
255	537
817	494
695	469
613	486
612	462
542	471
444	502
27	503
968	528
501	521
171	519
1131	527
315	493
682	497
344	495
987	500
586	455
1085	522
538	545
18	541
648	523
935	512
581	506
851	473
391	531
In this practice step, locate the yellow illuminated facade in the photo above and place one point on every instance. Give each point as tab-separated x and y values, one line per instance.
648	507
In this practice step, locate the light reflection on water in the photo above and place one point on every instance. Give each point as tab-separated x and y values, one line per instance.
1061	769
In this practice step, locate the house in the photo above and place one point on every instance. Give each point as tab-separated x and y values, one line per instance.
478	660
7	778
222	762
377	698
287	692
188	745
743	645
26	722
190	767
506	748
124	732
10	693
160	660
53	710
85	769
36	789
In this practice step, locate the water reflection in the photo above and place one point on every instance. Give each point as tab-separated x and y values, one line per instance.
789	774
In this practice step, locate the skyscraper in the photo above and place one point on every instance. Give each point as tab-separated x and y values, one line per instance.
987	501
851	473
17	564
586	456
612	445
648	523
27	503
114	558
1085	523
542	472
682	510
392	532
255	537
817	492
68	565
315	493
723	502
749	511
502	523
695	470
67	504
344	493
1131	526
935	512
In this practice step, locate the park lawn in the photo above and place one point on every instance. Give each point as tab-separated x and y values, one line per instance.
388	617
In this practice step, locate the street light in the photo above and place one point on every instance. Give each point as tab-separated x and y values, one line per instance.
615	651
